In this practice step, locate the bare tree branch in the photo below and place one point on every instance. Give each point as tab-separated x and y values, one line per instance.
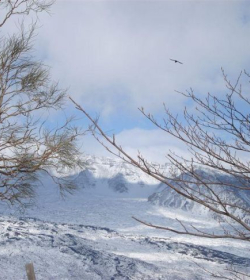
216	136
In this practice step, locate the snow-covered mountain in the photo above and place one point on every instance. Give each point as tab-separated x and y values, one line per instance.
91	234
109	176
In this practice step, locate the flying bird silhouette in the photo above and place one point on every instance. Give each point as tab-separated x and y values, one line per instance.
176	61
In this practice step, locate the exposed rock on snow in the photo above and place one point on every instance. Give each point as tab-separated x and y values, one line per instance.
118	183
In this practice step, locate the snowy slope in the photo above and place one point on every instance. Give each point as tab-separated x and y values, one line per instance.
167	197
91	235
66	251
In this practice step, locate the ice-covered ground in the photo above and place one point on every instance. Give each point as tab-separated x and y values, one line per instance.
91	235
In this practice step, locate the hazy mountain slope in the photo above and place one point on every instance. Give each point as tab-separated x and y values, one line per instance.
167	197
108	176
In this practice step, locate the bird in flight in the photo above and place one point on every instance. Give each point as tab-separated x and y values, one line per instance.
176	61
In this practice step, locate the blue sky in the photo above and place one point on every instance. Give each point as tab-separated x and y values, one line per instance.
114	57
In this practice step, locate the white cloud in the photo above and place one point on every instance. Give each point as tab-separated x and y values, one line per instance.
115	56
153	144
